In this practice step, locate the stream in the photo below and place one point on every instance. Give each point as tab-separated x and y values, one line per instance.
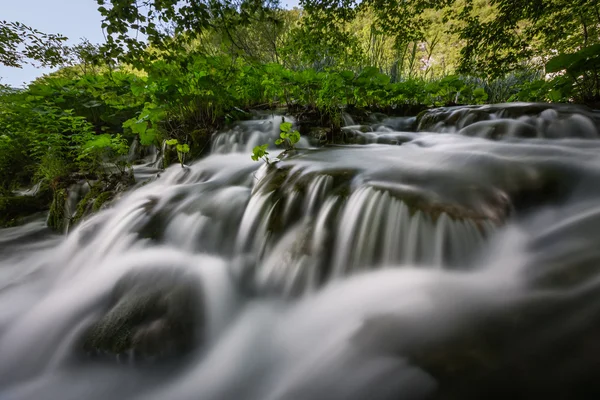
449	257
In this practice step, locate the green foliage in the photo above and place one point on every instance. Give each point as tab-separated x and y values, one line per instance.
20	44
288	137
124	20
580	76
518	32
60	125
146	124
182	149
261	153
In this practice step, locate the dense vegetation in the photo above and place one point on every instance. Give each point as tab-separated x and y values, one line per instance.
172	72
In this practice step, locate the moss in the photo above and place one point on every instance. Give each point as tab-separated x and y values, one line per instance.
82	206
274	179
99	194
56	216
102	199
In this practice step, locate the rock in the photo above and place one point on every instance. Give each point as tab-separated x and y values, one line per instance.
100	194
152	314
56	216
13	209
499	128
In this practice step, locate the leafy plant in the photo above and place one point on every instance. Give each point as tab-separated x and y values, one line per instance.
182	149
288	137
580	73
261	153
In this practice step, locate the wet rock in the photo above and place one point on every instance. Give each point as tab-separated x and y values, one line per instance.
576	126
56	216
544	349
151	315
546	120
13	209
498	129
100	194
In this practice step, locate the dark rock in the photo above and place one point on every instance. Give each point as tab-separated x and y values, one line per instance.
100	194
13	209
152	314
56	216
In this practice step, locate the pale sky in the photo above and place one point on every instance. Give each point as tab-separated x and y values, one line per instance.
74	19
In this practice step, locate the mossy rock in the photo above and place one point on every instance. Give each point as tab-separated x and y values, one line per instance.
14	208
101	200
56	216
153	314
101	193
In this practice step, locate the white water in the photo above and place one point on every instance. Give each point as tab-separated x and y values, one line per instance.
334	274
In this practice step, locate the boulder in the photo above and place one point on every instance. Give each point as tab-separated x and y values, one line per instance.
153	314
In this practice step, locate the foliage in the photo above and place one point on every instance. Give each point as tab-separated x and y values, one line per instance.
171	25
523	30
182	149
261	153
288	137
198	65
581	73
20	44
60	125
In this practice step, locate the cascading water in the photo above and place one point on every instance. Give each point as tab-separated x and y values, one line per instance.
448	267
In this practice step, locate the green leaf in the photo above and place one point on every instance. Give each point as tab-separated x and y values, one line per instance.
183	148
285	126
560	62
260	152
148	136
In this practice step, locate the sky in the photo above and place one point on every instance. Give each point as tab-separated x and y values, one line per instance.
75	19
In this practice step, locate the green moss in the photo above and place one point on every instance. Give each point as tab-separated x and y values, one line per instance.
56	217
83	205
99	194
274	179
103	198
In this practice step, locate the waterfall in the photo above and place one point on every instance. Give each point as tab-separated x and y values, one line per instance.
429	264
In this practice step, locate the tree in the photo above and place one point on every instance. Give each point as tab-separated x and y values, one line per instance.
20	44
168	26
525	30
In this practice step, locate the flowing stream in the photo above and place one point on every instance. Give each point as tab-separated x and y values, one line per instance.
453	257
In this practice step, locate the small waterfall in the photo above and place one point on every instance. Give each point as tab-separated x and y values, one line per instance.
409	237
246	135
347	118
421	265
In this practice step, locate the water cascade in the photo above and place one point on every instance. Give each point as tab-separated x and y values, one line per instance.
424	261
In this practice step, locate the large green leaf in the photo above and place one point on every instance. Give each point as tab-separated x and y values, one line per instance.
584	60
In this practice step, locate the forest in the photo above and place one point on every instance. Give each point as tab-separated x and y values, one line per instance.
171	73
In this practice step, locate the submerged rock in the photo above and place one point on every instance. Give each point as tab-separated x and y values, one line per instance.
152	314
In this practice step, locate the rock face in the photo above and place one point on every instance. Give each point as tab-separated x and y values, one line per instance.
152	314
